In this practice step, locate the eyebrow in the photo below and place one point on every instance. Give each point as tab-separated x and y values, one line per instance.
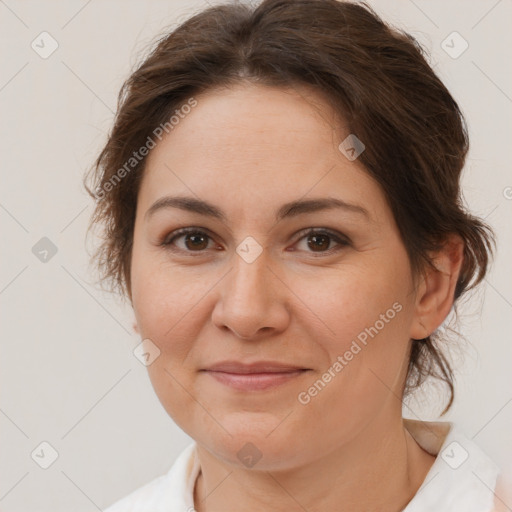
287	210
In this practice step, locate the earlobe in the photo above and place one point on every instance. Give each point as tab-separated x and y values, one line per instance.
436	289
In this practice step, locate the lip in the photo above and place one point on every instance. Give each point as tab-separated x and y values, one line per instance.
260	375
238	367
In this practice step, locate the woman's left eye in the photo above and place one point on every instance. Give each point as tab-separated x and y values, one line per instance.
197	240
319	240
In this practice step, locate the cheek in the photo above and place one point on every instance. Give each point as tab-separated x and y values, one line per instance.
168	307
366	314
355	301
163	296
166	304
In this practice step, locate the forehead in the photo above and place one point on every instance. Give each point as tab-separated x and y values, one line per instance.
246	119
257	145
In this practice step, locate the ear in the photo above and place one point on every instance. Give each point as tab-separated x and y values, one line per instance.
136	327
436	288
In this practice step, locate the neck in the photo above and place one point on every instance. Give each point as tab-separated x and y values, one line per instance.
375	471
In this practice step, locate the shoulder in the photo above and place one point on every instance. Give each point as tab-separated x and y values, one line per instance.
166	492
503	493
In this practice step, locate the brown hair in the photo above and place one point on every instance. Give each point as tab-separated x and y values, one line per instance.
377	80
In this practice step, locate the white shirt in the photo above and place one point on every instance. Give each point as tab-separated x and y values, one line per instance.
462	478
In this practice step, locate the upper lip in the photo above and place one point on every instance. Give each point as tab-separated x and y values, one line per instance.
255	367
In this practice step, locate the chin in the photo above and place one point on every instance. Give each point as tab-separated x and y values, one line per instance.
252	447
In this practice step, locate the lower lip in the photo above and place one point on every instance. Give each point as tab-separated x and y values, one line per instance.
254	381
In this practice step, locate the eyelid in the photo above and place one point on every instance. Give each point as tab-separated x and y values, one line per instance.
341	239
336	235
177	233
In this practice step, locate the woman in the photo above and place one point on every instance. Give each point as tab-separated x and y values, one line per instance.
280	193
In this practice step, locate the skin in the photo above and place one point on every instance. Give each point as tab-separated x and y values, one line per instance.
248	150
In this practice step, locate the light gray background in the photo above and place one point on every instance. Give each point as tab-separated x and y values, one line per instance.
68	375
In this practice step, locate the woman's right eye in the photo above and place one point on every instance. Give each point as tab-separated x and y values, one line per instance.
194	240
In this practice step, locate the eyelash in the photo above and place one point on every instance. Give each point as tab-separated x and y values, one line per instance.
342	240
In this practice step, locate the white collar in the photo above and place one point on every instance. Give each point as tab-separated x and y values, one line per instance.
462	478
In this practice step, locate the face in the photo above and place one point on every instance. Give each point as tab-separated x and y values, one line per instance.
282	319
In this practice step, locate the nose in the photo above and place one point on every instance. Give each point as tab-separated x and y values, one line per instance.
253	300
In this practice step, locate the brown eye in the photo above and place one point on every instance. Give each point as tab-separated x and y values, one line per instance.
196	241
187	240
320	242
